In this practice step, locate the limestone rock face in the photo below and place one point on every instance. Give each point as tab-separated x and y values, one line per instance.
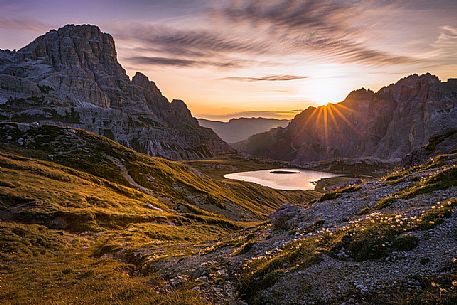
71	77
388	124
444	143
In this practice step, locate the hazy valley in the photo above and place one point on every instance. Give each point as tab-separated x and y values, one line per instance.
237	130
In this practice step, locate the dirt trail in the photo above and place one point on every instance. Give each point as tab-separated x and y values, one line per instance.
132	182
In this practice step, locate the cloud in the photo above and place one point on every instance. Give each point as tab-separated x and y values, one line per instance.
269	78
162	45
24	24
290	14
177	62
151	60
191	43
261	30
447	37
321	26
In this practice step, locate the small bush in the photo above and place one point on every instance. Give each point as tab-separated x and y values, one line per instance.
441	180
405	242
339	192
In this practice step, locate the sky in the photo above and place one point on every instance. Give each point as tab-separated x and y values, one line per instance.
270	58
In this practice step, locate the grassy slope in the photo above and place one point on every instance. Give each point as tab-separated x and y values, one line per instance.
73	226
47	209
75	231
42	266
94	155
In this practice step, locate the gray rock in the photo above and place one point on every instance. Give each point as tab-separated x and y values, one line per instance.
282	219
71	77
388	124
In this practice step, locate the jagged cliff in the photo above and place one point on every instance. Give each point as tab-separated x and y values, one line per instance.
71	77
388	124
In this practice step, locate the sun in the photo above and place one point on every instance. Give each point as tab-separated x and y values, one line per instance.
322	91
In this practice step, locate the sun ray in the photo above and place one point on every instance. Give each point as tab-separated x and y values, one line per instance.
349	123
332	117
303	127
326	126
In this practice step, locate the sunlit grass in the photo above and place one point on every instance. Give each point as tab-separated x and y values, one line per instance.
70	275
442	179
339	192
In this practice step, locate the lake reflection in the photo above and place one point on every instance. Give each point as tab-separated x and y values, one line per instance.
287	179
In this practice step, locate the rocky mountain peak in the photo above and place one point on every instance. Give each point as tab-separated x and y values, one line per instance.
360	93
358	98
415	78
71	77
181	114
82	46
412	82
141	80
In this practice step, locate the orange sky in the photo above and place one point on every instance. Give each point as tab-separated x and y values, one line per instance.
249	58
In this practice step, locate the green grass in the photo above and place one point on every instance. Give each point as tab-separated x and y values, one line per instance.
46	193
376	240
217	168
401	174
381	234
339	192
437	214
77	232
440	180
66	180
323	184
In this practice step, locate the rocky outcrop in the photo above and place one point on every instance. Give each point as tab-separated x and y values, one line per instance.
388	124
71	77
444	143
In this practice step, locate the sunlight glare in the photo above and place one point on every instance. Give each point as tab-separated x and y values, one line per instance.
325	90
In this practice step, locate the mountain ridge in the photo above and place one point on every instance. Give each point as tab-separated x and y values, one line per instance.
71	77
387	124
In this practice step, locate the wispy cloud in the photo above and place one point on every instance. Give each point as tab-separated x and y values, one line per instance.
164	61
291	14
162	45
191	43
24	24
321	26
447	39
269	78
263	29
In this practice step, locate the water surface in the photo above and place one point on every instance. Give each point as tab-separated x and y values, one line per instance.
287	179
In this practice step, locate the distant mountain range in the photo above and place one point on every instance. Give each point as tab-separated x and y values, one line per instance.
71	77
236	130
389	124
